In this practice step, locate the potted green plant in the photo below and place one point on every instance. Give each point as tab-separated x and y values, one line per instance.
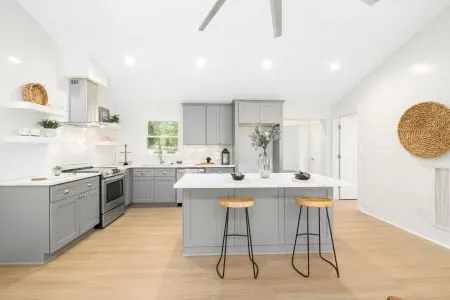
49	126
261	138
114	119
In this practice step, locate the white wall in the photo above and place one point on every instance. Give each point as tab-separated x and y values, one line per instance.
392	184
21	36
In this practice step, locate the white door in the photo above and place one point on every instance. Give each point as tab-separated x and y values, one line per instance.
290	148
317	138
348	156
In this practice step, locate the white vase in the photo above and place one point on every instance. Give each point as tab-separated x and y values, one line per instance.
50	132
265	167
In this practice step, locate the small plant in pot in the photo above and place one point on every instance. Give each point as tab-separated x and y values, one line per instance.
114	119
50	127
57	170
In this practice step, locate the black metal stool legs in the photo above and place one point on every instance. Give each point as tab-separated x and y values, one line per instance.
223	253
250	246
335	265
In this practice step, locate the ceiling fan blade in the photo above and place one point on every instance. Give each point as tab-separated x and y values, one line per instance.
371	2
277	17
211	14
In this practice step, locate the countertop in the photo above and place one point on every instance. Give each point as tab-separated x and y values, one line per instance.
253	180
52	180
176	166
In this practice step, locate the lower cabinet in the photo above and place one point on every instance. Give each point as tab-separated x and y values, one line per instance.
164	191
72	217
89	210
143	189
63	222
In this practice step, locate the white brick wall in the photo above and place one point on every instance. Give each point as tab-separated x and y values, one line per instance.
392	184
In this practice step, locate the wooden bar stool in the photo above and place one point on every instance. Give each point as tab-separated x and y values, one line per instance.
318	203
237	203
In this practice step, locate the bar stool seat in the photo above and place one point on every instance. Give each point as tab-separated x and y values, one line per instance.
314	202
237	202
319	203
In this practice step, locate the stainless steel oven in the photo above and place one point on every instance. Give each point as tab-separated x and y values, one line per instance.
112	198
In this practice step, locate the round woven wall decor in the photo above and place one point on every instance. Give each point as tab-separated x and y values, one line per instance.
424	129
36	93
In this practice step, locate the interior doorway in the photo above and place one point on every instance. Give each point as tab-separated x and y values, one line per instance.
348	156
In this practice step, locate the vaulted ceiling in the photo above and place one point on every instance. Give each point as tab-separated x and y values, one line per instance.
163	38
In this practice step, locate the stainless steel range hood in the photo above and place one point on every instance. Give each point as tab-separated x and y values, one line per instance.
83	104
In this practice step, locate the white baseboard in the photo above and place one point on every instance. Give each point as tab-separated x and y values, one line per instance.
407	230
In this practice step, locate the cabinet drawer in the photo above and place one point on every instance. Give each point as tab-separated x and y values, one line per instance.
220	170
63	191
165	172
88	184
143	172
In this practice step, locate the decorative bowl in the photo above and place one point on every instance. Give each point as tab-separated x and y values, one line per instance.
302	175
238	176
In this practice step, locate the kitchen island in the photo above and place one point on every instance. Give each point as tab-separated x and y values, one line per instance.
273	218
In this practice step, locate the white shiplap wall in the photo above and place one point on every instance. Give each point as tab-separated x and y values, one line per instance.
392	184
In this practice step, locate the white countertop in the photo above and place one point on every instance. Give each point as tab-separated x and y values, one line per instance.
253	180
52	180
176	166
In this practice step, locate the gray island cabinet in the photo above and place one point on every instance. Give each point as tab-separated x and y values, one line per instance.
273	218
38	219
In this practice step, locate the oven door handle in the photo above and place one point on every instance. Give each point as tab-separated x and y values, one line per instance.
112	179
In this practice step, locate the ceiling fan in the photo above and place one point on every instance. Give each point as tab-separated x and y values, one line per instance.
276	8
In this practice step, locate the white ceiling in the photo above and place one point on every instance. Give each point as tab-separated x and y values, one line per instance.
162	36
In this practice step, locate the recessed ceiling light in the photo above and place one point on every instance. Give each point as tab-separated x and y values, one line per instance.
266	64
422	68
15	60
335	66
201	62
130	61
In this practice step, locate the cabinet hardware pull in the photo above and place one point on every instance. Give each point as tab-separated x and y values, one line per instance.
66	191
90	184
142	173
164	173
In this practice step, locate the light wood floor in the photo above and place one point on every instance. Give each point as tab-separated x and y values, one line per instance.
138	257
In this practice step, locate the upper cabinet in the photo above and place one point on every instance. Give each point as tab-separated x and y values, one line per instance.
207	124
194	125
260	112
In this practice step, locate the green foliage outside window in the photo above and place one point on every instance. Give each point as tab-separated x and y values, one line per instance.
162	135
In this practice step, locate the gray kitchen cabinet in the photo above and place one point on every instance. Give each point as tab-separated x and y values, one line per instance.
226	124
258	112
270	113
164	191
213	125
143	189
89	210
248	113
194	124
128	187
64	222
219	170
219	124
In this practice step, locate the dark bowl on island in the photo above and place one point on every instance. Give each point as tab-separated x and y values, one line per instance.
302	175
237	177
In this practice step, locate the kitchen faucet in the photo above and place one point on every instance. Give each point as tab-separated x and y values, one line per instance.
160	154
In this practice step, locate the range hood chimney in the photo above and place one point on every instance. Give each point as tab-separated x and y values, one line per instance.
83	103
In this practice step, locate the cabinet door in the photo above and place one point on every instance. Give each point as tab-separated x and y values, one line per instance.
164	191
128	187
226	125
270	113
248	113
219	170
89	210
143	190
194	125
63	222
213	125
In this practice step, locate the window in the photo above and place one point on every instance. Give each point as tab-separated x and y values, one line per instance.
162	135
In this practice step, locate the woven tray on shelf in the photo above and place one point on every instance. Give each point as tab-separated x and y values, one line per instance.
36	93
424	129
